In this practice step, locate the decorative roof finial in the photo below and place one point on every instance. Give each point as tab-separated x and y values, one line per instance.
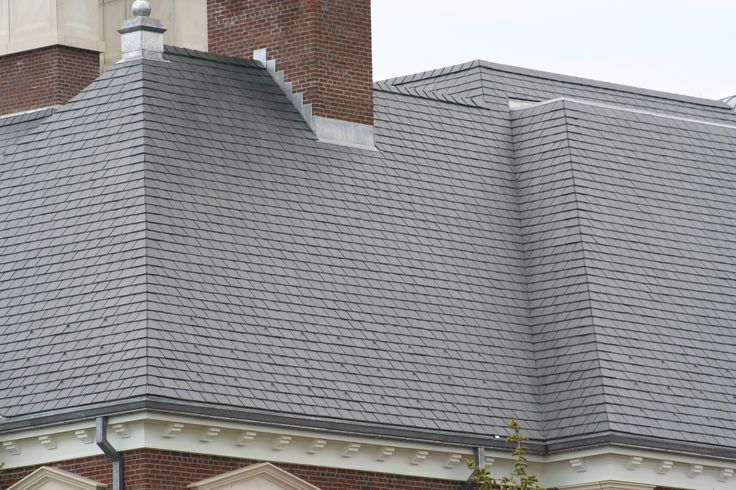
142	37
141	8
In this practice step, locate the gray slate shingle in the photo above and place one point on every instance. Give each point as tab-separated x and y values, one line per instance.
176	231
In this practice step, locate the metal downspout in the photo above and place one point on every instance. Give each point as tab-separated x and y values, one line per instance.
479	459
111	453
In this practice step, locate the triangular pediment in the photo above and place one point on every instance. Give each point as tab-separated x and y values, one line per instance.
262	476
46	478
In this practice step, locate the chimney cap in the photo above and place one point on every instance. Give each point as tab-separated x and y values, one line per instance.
141	8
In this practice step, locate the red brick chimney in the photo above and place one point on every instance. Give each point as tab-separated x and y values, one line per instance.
322	46
45	77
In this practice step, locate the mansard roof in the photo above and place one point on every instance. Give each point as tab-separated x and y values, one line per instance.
175	237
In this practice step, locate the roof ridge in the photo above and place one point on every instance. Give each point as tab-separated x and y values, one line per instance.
547	75
425	75
422	93
206	55
620	87
147	365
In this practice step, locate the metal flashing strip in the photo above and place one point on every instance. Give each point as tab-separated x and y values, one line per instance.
344	133
622	109
29	115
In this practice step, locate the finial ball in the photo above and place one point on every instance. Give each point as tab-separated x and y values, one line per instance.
141	8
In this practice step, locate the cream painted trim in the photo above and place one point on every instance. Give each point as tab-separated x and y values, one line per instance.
263	470
65	480
230	438
609	485
26	25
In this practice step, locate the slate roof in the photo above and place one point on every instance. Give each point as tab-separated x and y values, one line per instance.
176	234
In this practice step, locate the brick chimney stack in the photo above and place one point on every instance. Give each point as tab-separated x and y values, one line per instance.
322	46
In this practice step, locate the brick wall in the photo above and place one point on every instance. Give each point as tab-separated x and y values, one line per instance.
149	469
45	77
323	46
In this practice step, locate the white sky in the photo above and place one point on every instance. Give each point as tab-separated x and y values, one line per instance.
681	46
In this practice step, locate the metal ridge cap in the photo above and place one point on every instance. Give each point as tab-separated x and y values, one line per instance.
618	87
621	108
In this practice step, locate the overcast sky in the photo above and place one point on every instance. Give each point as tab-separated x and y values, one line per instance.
681	46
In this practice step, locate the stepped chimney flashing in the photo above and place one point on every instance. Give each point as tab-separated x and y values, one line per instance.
327	130
318	51
142	37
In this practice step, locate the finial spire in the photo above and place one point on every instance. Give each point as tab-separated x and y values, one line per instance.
141	8
141	36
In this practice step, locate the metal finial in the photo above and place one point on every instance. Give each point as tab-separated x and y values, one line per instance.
141	8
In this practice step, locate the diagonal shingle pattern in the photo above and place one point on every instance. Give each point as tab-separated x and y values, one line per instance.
72	268
291	275
177	233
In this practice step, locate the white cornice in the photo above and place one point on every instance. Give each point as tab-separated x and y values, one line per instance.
575	469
